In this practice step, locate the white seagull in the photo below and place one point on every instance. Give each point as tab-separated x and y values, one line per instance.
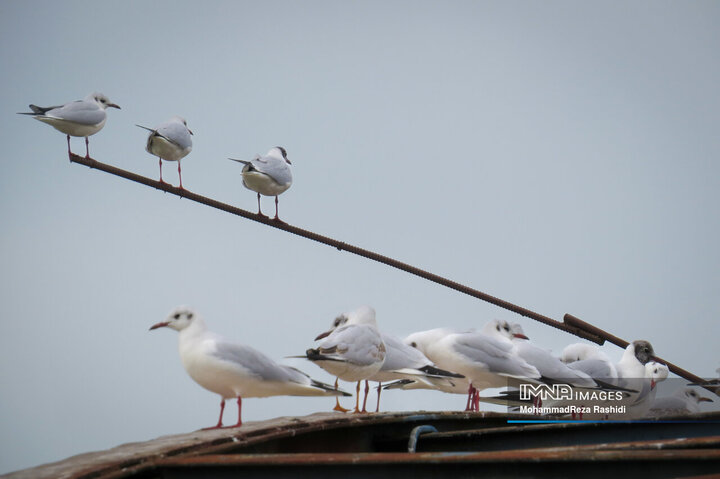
632	364
549	367
486	361
234	370
77	118
351	352
684	401
267	175
169	141
402	362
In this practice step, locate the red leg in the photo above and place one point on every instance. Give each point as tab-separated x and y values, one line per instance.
471	389
357	396
276	208
367	391
377	408
259	210
180	175
69	152
160	162
219	424
239	403
87	148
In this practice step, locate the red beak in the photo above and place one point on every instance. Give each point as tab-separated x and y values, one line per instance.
159	325
323	335
520	336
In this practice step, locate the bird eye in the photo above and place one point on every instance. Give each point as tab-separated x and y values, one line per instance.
190	315
497	326
413	344
176	316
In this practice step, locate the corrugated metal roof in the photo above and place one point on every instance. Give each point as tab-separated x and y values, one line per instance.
457	443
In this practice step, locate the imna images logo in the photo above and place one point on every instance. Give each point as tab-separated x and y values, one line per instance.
546	392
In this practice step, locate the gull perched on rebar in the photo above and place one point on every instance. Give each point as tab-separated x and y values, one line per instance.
80	118
170	141
234	370
267	175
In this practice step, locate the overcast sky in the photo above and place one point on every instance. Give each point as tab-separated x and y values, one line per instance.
559	155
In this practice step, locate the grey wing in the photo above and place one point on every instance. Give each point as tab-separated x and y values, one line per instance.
354	343
176	133
399	355
496	355
80	112
595	368
551	367
254	361
276	169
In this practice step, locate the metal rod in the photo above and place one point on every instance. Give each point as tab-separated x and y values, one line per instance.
570	324
579	323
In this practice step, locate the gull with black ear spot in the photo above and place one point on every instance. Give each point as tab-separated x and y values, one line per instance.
170	141
234	370
632	364
81	118
267	175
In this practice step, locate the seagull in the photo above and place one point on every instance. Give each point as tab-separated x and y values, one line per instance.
234	370
684	401
632	364
401	360
638	404
549	367
169	141
351	352
267	175
77	118
486	361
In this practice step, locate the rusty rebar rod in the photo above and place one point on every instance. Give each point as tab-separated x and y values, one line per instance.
570	324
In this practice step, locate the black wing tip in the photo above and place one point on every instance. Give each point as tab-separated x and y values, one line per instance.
433	371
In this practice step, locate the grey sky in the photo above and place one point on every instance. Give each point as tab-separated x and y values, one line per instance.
559	155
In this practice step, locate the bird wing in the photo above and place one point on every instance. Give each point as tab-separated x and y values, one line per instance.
254	362
354	343
80	112
495	354
276	169
176	133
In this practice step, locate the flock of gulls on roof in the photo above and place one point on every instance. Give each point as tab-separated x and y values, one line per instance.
465	362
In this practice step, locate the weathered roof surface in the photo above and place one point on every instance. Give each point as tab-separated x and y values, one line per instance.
377	444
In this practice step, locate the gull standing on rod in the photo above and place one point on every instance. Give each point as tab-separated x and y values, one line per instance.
77	118
351	352
233	370
169	141
267	175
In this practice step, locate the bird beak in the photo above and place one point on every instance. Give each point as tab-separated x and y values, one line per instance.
652	384
520	336
190	131
323	335
114	106
704	399
159	325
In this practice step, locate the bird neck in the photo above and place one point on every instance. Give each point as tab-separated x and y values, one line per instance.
195	329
